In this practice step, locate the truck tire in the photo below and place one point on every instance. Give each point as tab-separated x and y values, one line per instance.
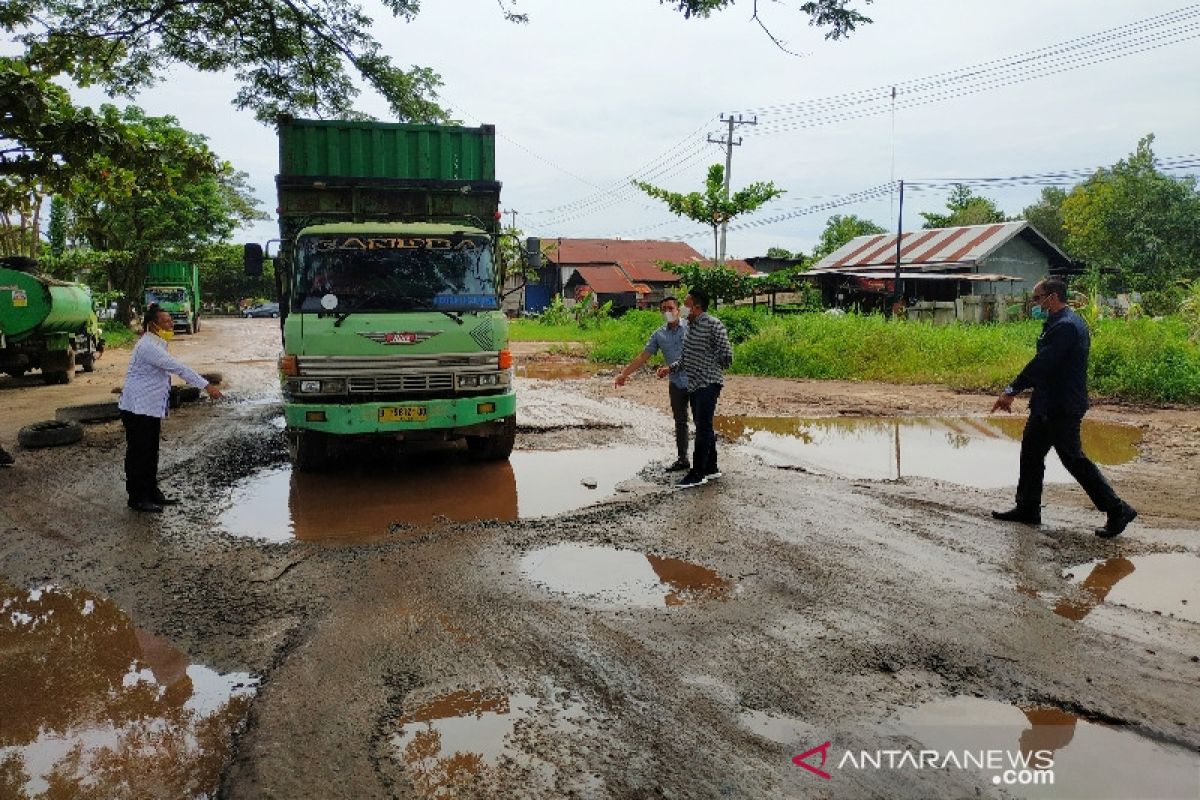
50	433
88	412
87	362
309	450
51	378
182	394
498	446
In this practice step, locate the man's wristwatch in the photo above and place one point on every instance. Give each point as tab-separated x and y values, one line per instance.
1009	390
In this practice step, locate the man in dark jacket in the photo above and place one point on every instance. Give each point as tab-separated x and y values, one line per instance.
1058	376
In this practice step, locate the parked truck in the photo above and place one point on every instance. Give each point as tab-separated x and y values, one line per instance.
175	286
45	324
387	287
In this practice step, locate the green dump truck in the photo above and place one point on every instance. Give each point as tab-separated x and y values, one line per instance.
388	293
175	286
45	324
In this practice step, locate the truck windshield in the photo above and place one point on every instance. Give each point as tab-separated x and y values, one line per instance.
167	294
341	273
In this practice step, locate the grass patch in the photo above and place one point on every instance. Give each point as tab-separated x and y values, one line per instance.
117	334
1147	360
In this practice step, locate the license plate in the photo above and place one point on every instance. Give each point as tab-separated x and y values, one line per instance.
404	414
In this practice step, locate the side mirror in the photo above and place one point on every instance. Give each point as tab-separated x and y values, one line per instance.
252	259
533	252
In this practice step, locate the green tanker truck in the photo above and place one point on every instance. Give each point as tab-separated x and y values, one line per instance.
45	324
175	286
387	287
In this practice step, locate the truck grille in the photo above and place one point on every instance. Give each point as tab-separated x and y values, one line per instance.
402	383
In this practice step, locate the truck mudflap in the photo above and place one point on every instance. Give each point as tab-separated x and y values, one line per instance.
466	416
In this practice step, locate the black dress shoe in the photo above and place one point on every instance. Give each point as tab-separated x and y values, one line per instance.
1118	521
1018	514
679	465
146	506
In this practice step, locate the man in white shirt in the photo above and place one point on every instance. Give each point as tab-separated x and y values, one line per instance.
143	405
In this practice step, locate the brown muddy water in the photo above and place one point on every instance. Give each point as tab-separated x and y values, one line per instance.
468	737
555	371
981	452
417	495
1160	583
609	577
103	709
1090	759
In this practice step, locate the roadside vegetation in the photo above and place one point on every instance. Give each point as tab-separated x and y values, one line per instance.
1144	359
117	334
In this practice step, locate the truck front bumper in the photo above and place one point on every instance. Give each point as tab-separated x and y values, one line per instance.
452	415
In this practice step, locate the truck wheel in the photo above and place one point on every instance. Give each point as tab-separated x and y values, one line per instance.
87	361
309	450
52	378
88	412
50	433
496	447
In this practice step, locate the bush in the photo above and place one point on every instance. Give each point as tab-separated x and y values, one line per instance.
741	323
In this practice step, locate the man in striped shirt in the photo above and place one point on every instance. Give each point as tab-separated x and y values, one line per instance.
706	354
143	405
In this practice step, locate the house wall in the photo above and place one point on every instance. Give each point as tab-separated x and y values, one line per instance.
1017	258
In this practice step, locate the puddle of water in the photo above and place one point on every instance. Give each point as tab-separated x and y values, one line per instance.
550	370
459	739
1090	760
279	504
776	728
973	451
104	709
1164	583
613	577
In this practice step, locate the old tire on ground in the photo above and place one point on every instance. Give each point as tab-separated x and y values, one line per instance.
52	378
309	450
182	394
213	377
88	412
50	433
496	447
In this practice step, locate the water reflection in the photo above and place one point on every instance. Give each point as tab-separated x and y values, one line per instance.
412	496
467	737
622	577
974	451
1089	759
94	708
1164	583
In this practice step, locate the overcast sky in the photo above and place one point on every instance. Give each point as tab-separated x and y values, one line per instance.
590	93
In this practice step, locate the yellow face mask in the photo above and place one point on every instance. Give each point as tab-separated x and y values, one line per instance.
165	334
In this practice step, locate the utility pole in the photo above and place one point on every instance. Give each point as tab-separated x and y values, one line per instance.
728	143
514	217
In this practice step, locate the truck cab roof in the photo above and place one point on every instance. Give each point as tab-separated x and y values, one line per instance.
392	229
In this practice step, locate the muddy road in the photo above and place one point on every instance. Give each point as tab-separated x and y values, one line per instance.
837	616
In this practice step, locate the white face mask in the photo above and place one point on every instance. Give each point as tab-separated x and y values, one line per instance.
670	316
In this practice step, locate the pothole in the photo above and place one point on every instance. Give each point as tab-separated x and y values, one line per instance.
973	451
610	577
99	708
414	495
1160	583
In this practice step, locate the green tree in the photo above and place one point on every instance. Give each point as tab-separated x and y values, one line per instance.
965	208
295	56
1134	218
780	252
1046	215
56	232
832	14
713	208
840	229
720	282
147	225
223	279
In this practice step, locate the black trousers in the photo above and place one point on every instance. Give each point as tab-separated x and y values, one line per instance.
679	409
1061	433
704	408
141	456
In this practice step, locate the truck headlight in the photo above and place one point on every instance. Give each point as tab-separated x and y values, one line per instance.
313	387
489	380
468	380
320	387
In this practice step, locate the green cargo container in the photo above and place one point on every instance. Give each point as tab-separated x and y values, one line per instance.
315	148
46	324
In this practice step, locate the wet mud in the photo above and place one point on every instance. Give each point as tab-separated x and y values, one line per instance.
569	624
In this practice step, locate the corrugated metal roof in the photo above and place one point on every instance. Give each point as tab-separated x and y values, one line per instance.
935	249
605	280
616	251
647	271
986	277
735	264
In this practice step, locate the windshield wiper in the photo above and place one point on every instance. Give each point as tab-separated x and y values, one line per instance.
340	316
